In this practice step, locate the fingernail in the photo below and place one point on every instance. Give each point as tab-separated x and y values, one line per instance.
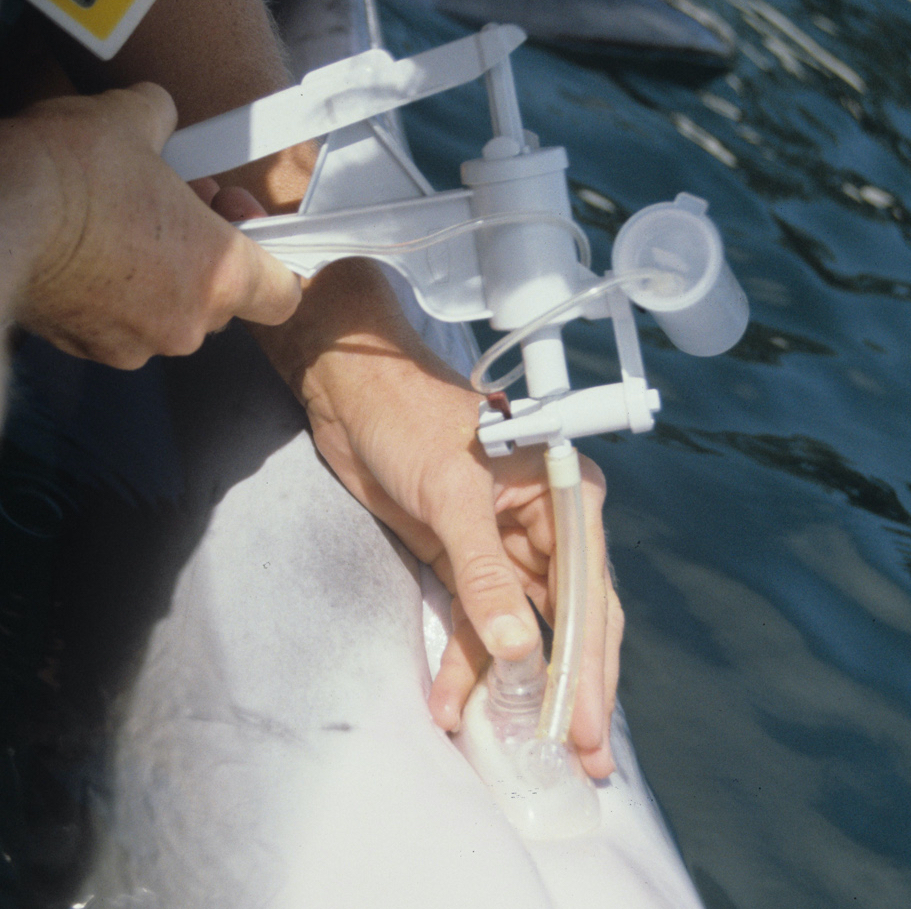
445	713
508	631
452	721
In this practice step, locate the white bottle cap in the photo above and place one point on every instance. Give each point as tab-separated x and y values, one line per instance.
698	304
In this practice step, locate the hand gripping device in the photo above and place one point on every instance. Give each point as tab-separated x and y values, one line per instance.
503	248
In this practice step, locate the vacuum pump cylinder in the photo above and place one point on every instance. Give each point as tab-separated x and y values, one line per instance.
526	267
539	784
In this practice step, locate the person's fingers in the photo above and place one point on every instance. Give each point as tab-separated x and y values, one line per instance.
536	518
145	109
590	729
234	203
206	188
485	580
269	292
274	290
599	762
613	640
462	662
523	551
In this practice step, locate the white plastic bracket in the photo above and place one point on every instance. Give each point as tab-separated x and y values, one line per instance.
333	97
366	197
627	404
446	276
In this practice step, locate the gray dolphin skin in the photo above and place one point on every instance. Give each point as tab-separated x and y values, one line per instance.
683	30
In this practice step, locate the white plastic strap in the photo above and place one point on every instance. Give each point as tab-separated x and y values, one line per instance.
335	96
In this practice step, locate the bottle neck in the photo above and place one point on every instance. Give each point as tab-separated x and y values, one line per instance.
516	687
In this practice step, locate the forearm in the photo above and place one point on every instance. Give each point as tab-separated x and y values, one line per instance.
28	210
226	54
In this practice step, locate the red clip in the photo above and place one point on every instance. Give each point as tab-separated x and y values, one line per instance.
498	401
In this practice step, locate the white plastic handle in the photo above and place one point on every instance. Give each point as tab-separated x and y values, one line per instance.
332	97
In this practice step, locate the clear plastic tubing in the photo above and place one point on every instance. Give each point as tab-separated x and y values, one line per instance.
565	481
507	342
280	247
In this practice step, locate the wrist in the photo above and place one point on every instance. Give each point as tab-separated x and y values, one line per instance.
348	320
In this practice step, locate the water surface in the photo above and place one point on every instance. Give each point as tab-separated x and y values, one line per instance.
761	533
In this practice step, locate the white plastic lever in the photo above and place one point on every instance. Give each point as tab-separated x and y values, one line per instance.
332	97
587	412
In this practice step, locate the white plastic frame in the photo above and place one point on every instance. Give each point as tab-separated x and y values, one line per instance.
514	256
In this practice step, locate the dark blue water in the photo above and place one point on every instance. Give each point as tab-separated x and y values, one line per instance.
761	533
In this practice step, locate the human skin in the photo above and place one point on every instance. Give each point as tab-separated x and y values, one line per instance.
111	256
396	426
399	429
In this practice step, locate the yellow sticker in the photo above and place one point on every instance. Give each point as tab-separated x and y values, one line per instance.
101	25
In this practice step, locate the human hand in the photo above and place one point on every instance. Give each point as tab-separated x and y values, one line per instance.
399	429
116	259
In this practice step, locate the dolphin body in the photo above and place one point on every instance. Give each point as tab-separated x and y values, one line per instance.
275	748
652	28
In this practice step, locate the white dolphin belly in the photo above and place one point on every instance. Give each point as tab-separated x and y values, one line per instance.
276	748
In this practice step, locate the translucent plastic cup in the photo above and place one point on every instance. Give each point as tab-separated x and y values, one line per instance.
697	300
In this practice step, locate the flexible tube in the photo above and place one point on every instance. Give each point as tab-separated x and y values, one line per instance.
507	342
565	480
515	725
279	247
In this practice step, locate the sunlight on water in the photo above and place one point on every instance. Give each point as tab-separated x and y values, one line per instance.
798	47
704	139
